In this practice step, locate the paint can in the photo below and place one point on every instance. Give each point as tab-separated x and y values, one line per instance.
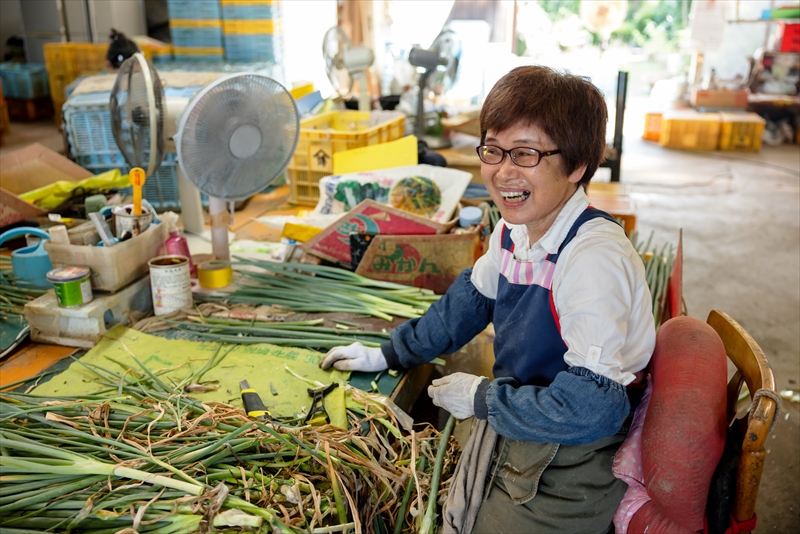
73	285
170	283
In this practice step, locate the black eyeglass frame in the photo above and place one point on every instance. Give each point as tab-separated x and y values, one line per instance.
541	154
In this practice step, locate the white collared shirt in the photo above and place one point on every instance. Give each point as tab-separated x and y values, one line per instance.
599	290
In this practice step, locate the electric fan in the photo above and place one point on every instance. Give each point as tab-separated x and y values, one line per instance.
347	64
440	69
138	109
235	137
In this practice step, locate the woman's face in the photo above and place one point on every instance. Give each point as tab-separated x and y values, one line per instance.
532	196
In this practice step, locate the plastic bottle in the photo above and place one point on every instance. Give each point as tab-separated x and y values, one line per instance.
176	243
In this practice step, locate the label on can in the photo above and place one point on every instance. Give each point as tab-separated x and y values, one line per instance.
170	283
72	286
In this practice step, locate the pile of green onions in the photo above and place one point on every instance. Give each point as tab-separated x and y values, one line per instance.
13	294
658	265
142	455
317	289
306	334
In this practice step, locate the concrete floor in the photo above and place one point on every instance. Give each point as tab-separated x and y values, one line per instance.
740	215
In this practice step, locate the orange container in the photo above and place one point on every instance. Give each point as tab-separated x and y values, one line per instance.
652	127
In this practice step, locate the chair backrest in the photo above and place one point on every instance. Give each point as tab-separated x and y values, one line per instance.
755	371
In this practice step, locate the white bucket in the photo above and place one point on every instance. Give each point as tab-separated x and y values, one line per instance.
170	283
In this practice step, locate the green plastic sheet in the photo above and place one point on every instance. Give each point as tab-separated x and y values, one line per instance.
261	365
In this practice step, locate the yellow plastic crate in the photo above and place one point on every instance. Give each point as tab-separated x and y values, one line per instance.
199	51
323	135
690	130
67	61
741	132
254	26
195	23
652	127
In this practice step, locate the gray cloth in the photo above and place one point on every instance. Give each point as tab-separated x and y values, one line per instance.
467	487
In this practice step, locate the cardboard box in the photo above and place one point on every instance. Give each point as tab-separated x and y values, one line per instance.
27	169
429	261
719	99
333	243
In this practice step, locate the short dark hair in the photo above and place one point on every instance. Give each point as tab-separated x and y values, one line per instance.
568	108
120	48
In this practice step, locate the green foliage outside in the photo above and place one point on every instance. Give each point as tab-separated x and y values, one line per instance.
653	23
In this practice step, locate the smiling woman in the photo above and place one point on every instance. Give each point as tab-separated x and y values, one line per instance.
571	309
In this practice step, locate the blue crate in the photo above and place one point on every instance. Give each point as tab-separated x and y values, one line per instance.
196	37
253	47
87	121
24	80
251	12
216	58
193	9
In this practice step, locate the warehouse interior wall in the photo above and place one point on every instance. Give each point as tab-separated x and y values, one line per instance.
10	22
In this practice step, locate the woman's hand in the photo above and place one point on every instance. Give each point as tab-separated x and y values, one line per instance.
355	357
456	393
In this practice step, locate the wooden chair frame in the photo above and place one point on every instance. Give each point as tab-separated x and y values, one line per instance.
754	370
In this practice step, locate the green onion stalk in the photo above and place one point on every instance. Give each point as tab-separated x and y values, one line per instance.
318	289
144	455
658	264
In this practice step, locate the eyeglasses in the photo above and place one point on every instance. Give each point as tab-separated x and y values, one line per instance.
522	156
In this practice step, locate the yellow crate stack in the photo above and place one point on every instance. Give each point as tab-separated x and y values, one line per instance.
690	130
67	61
323	135
741	132
252	30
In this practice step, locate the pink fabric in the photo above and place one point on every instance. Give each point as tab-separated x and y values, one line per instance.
522	272
627	466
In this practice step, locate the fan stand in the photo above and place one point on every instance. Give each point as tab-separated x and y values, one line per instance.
433	142
191	207
218	211
364	100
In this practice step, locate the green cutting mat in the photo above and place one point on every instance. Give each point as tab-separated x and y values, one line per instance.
261	365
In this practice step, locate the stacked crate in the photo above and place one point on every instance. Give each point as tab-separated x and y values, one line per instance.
26	91
65	62
252	30
196	29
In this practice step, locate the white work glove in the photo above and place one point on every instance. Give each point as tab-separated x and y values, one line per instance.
355	357
456	393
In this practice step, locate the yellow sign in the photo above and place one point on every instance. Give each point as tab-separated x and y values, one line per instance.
397	153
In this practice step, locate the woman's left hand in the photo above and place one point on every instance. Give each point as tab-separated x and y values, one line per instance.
456	393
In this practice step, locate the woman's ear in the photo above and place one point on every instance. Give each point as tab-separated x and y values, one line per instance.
577	174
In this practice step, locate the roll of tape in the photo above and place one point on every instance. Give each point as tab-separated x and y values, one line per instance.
213	276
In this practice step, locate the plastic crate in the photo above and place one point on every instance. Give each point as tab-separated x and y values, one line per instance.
252	10
193	9
741	132
652	127
323	135
252	27
26	110
253	47
87	122
690	130
24	80
196	37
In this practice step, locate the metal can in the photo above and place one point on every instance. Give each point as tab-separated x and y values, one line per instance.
170	283
72	285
